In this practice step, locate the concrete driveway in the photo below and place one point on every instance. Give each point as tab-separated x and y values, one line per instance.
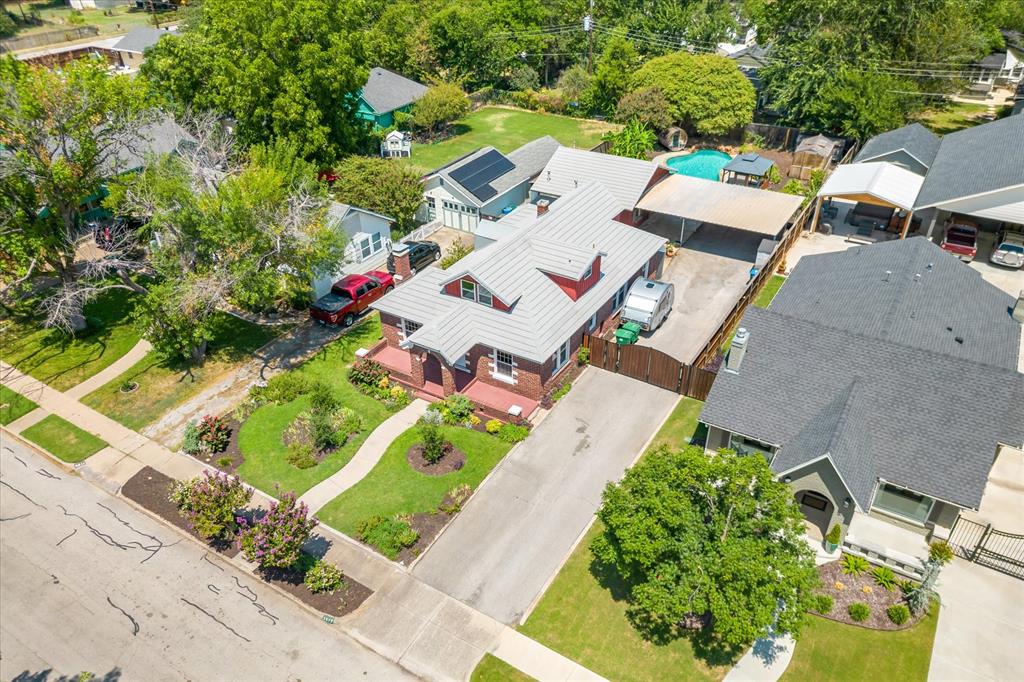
500	552
710	272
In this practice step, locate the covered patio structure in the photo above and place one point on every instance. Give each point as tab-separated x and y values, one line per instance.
884	194
749	170
680	204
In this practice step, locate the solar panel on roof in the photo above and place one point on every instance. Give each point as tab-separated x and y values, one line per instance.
476	174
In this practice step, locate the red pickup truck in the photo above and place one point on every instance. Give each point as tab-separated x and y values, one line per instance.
961	239
350	296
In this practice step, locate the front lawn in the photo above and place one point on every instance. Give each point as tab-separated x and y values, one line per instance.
681	427
13	405
394	487
828	651
493	669
164	384
260	441
63	439
63	361
505	129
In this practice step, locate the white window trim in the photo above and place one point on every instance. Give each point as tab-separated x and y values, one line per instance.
896	515
494	368
592	325
462	289
589	272
403	330
462	364
557	362
490	296
624	291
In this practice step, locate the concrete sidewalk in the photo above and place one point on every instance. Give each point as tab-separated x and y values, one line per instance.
108	374
366	457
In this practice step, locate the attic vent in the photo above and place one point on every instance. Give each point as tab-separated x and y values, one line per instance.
575	183
959	339
549	176
931	266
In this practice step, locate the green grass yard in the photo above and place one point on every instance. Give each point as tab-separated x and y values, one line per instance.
57	15
956	116
63	439
505	129
394	487
260	438
763	300
828	651
164	384
681	426
493	669
62	361
13	405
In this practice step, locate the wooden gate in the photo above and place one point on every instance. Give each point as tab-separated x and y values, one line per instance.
651	366
983	544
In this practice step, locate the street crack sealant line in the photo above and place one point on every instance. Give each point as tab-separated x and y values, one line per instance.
135	623
217	620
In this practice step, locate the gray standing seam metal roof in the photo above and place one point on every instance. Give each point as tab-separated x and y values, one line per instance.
542	315
528	160
914	139
570	168
892	397
982	159
749	164
386	90
141	37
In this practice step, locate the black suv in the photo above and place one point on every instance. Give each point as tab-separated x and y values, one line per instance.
421	254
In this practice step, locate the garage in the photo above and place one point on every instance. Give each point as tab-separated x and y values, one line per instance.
459	216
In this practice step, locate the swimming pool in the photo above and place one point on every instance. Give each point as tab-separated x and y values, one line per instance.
704	163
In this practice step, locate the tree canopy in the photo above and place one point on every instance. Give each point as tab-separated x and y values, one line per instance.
380	185
707	538
634	140
440	105
612	75
285	69
707	93
649	105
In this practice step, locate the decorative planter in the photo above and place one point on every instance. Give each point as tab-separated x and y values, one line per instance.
831	547
129	388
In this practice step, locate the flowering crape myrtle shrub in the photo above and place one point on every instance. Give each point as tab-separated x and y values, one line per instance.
209	503
275	539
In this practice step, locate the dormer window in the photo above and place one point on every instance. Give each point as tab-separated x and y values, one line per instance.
468	290
589	272
471	291
484	296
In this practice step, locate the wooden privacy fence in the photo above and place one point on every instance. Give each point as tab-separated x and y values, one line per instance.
777	259
651	366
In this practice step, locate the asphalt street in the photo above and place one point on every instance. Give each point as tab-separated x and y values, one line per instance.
89	583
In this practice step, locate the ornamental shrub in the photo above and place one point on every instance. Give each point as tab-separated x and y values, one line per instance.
347	422
456	497
367	373
834	535
322	399
388	536
583	356
493	425
822	603
324	576
561	391
214	433
209	503
275	539
432	439
859	611
301	455
941	552
854	565
456	409
884	577
898	613
513	433
456	252
190	441
281	388
324	431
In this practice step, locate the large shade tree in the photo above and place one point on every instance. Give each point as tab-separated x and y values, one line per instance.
707	93
707	539
380	185
282	68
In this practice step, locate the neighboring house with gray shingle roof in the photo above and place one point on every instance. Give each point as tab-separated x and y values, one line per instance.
484	184
912	147
881	379
132	46
385	93
513	314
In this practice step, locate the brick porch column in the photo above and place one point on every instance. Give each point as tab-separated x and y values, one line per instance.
403	270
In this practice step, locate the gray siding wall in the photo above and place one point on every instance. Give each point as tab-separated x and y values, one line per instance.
943	515
716	440
512	197
822	478
903	160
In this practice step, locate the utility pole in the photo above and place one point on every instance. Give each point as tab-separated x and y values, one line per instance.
588	26
152	10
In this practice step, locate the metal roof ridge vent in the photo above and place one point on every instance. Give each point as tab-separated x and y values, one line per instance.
737	350
887	275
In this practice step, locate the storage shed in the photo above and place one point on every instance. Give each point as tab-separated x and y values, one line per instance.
812	153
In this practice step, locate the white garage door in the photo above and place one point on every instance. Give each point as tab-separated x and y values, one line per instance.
459	216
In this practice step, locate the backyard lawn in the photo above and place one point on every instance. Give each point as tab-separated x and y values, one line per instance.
62	361
260	441
13	405
681	425
163	384
771	288
957	116
63	439
828	651
493	669
505	129
120	18
394	487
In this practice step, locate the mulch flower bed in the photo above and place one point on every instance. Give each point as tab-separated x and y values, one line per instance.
150	489
877	598
452	460
346	600
429	525
220	460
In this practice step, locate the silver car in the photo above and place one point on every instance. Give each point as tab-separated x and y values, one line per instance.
1009	250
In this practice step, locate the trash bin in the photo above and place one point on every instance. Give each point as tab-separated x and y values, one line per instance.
627	334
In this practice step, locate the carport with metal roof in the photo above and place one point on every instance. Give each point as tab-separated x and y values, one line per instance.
716	203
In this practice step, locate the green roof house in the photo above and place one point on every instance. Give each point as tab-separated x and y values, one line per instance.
385	93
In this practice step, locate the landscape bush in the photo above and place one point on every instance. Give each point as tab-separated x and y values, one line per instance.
456	409
854	565
493	426
281	388
513	433
371	378
583	356
456	252
561	391
431	436
822	603
190	442
301	455
884	577
834	535
388	536
455	499
275	539
324	576
940	551
213	433
898	613
859	611
209	503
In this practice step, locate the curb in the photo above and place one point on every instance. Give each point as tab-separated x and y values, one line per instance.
24	442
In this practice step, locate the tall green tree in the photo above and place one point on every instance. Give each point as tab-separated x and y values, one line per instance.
380	185
612	75
439	106
282	68
707	93
463	48
860	104
699	538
